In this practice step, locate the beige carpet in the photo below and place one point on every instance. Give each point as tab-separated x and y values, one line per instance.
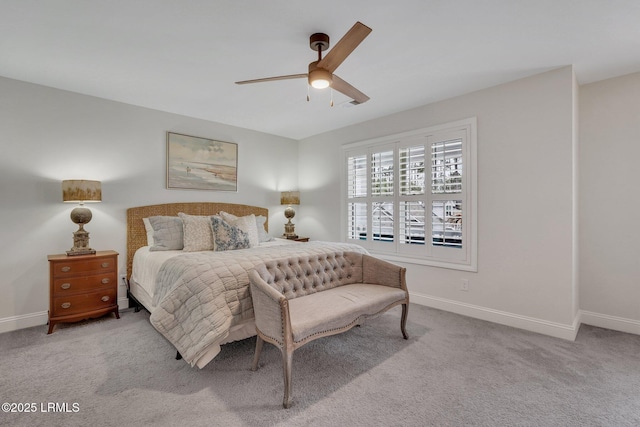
453	371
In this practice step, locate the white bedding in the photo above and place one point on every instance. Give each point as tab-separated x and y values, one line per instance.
146	265
202	299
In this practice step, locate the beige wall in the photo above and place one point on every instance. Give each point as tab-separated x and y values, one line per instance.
609	202
49	135
546	257
526	192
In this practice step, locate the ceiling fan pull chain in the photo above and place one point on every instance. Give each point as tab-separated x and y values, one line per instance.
308	93
331	97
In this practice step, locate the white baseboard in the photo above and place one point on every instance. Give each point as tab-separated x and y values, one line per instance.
540	326
14	323
123	302
545	327
610	322
24	321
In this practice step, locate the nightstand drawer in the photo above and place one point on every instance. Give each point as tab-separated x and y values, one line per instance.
72	285
80	303
73	267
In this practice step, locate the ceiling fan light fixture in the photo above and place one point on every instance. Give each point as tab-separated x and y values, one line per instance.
319	78
320	73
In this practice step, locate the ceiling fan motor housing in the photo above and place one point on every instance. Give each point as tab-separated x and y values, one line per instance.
319	41
319	75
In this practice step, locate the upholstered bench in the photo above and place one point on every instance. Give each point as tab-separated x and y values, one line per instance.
297	300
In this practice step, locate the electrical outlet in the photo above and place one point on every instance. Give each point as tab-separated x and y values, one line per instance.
464	286
123	280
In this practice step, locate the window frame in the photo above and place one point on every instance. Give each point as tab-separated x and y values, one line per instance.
428	254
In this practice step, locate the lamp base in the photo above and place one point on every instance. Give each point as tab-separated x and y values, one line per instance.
87	251
81	243
290	230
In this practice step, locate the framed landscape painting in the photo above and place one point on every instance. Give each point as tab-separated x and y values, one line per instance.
201	164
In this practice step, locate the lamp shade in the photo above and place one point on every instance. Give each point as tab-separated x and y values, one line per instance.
81	191
290	198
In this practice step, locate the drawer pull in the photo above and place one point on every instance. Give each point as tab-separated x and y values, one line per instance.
105	298
65	269
65	285
65	305
105	280
105	264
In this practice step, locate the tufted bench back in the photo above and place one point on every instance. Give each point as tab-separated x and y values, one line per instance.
298	276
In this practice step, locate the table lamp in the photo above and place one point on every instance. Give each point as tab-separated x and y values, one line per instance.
81	191
289	198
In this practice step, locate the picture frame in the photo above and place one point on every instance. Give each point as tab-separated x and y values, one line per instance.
196	163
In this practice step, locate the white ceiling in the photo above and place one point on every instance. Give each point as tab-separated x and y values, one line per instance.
184	56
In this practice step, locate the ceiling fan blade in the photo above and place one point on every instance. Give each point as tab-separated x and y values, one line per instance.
270	79
344	47
346	89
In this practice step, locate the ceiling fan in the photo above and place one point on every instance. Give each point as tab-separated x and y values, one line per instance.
320	73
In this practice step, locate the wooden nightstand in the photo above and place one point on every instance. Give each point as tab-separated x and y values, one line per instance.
82	286
296	238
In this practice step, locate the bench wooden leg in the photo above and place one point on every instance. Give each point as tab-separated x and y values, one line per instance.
287	359
256	357
403	321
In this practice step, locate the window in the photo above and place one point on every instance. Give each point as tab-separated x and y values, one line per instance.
411	196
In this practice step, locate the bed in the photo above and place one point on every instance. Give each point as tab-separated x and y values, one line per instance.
199	298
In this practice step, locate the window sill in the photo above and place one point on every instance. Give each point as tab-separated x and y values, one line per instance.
423	261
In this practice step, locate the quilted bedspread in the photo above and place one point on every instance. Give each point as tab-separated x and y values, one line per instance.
201	295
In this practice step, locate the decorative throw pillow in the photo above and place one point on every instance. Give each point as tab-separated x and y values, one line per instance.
149	229
227	216
197	233
245	223
262	233
167	233
228	237
259	221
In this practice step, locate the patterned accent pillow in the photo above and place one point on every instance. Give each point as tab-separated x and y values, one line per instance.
255	240
167	233
228	237
197	233
245	223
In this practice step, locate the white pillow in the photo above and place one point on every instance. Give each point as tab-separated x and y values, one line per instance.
248	225
198	235
262	233
149	229
254	231
227	216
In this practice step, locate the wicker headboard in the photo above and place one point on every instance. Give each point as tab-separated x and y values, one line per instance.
137	235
